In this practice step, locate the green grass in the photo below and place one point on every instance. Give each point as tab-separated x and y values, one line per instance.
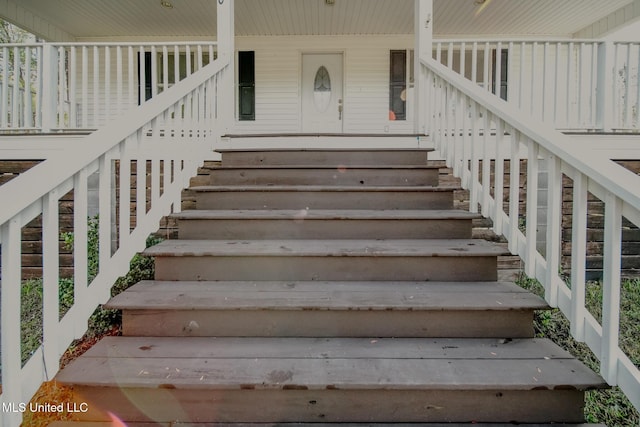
609	407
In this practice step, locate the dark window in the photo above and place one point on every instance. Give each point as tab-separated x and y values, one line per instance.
398	85
246	86
504	69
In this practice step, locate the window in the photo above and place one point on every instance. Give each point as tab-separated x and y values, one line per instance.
398	85
246	86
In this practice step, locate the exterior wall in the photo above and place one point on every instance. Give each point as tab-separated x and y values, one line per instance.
14	13
366	82
611	22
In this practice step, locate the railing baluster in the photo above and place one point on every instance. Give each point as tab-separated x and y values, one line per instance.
498	71
5	88
107	83
125	192
556	86
554	226
463	57
85	87
627	99
27	108
96	86
104	208
15	110
475	161
10	318
532	209
486	163
474	63
50	275
155	164
38	88
578	255
142	76
80	238
594	85
485	67
73	87
165	68
176	64
131	70
499	177
450	56
521	82
534	80
637	115
570	79
545	78
154	71
119	76
141	182
514	192
611	288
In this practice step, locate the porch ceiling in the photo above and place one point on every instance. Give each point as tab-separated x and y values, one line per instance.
86	19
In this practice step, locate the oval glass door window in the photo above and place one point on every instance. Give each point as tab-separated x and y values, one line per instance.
322	89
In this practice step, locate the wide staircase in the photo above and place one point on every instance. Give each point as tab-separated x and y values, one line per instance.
327	286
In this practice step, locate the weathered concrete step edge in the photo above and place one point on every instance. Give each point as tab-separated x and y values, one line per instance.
328	248
303	167
291	372
326	214
329	296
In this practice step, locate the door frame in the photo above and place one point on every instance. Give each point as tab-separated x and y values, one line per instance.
341	52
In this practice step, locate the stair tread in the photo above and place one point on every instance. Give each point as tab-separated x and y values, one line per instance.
352	296
328	248
313	364
320	150
323	188
326	167
190	424
356	214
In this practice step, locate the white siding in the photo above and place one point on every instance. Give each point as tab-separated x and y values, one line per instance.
611	22
366	82
37	25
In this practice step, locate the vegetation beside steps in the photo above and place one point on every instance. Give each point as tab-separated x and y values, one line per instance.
103	322
609	407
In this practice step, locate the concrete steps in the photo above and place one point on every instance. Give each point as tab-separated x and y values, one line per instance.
298	294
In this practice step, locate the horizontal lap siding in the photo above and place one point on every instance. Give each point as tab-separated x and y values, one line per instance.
366	81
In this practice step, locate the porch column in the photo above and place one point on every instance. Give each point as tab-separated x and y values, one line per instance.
226	52
423	30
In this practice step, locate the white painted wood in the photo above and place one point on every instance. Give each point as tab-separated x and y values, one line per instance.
423	45
10	318
605	85
578	256
611	289
514	192
322	110
50	298
499	177
49	85
607	181
554	226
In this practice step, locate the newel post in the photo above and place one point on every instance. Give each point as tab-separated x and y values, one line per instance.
423	30
49	87
226	52
605	86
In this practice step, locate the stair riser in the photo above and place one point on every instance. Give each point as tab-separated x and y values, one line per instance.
324	200
339	176
418	268
300	228
168	404
342	157
307	323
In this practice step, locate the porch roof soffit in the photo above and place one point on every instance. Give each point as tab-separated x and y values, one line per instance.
139	19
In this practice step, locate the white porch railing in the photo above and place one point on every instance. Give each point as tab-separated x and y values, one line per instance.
583	85
163	141
471	153
85	85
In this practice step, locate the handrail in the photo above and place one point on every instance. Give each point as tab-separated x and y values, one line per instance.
165	139
460	112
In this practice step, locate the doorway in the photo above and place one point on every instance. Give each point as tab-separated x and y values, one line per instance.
322	93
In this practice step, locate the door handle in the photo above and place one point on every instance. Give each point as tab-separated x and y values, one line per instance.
339	109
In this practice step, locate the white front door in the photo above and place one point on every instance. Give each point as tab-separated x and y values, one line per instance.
322	101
